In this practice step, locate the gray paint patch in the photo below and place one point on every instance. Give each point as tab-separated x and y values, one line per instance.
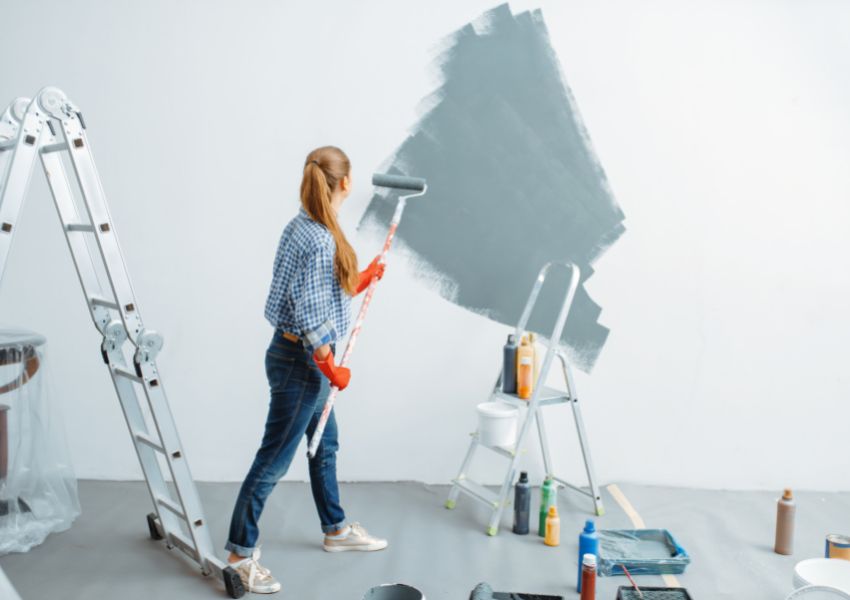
513	181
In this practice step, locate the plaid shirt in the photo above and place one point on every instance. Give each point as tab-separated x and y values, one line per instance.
305	297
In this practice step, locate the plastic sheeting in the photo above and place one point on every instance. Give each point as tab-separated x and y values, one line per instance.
642	551
38	490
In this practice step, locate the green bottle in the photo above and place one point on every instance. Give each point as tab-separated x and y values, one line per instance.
548	497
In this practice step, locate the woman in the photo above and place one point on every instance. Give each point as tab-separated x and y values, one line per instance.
315	275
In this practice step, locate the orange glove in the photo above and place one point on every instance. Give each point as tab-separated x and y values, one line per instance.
338	376
375	269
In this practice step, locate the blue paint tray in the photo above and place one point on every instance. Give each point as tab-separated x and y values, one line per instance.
642	551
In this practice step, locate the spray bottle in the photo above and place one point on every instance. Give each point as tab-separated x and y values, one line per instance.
785	509
588	543
588	577
509	367
522	504
548	497
525	369
553	527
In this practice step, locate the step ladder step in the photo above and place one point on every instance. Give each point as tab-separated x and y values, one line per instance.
8	145
501	450
98	301
147	441
546	396
478	491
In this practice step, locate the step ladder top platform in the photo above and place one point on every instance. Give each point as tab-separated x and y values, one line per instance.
546	395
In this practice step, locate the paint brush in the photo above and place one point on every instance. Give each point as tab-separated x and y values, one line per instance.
635	585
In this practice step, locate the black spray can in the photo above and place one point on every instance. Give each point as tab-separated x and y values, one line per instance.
522	504
509	368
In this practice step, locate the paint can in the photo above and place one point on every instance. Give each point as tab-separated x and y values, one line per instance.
497	423
837	546
394	591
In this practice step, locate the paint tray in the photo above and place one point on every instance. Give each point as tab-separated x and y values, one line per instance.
642	551
627	592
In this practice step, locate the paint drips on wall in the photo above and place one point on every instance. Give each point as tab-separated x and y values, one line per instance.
513	181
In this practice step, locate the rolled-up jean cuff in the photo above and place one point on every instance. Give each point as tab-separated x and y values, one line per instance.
332	528
237	549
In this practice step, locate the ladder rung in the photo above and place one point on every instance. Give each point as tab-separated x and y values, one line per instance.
98	301
502	450
80	227
8	145
170	505
478	491
143	438
127	374
181	542
54	148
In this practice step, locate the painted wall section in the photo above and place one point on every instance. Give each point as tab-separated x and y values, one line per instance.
513	181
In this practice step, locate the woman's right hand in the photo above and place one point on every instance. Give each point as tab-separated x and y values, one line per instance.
338	376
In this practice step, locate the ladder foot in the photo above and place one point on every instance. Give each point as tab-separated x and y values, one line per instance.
233	583
600	512
491	531
152	528
450	504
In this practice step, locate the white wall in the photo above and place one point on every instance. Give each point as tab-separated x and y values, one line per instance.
722	126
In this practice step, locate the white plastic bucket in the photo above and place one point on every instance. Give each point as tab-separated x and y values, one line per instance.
497	424
834	572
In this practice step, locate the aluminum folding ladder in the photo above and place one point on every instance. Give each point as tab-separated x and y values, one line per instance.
52	128
542	395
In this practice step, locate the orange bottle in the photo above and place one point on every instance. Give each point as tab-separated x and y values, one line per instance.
553	527
525	369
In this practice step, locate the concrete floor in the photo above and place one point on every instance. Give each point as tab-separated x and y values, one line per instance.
107	553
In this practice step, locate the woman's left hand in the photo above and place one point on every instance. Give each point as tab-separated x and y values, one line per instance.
375	269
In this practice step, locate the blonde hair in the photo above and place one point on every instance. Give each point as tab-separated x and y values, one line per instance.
324	169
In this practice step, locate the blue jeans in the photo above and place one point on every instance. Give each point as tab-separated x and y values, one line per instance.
298	393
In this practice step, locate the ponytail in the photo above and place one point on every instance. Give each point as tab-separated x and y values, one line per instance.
325	168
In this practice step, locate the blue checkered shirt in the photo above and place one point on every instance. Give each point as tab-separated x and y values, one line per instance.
305	297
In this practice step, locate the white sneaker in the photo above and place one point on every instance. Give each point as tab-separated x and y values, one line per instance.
255	577
354	537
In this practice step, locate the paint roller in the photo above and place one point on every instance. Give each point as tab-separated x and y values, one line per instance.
418	186
483	591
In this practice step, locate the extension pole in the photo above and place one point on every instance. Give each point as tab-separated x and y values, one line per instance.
408	183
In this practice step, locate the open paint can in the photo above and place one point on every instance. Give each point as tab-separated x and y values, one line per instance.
394	591
837	546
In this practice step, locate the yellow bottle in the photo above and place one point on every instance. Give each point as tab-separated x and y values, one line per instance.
553	528
532	339
525	369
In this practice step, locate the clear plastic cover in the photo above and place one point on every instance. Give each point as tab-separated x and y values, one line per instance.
38	489
642	551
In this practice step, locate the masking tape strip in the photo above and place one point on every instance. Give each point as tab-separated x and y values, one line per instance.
637	523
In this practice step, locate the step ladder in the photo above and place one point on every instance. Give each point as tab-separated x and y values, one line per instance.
542	395
51	128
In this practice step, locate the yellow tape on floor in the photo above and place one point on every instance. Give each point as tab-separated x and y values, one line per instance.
637	522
